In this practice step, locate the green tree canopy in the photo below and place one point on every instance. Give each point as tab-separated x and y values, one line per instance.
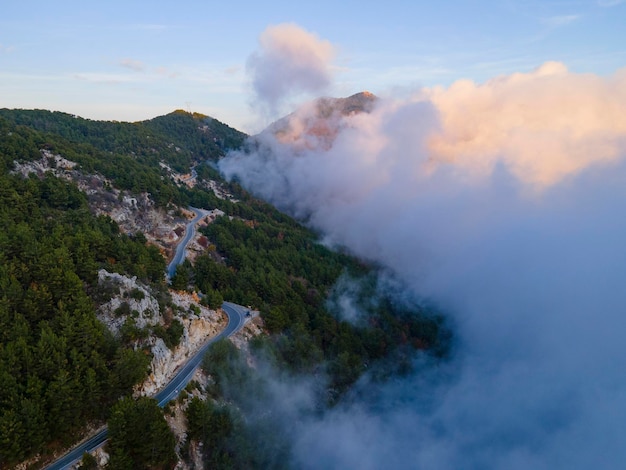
139	436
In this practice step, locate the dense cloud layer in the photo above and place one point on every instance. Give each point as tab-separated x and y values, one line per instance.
290	61
504	204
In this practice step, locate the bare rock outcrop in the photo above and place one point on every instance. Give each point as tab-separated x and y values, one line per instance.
131	300
199	325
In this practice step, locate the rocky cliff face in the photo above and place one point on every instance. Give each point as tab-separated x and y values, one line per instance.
176	417
199	326
129	298
132	212
132	301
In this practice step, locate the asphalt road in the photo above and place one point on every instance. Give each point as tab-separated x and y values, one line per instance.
179	256
236	319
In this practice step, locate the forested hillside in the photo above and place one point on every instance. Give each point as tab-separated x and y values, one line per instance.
179	138
60	368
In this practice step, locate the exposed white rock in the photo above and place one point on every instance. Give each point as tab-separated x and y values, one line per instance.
253	327
145	311
195	456
48	162
130	201
162	367
101	457
199	324
198	327
219	191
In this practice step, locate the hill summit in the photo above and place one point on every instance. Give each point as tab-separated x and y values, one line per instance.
316	124
362	102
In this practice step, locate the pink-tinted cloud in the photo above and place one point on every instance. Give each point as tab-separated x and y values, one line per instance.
290	61
543	125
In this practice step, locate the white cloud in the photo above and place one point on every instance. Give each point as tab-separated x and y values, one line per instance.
290	61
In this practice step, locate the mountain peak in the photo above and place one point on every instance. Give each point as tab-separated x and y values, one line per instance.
317	124
362	102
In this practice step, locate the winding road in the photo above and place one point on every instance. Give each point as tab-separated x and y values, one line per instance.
236	319
179	256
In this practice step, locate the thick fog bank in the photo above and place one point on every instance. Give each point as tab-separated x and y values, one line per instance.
505	204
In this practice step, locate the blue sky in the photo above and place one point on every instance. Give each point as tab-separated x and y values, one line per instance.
135	60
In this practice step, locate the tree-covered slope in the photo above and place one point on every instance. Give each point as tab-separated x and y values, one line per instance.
60	367
178	139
